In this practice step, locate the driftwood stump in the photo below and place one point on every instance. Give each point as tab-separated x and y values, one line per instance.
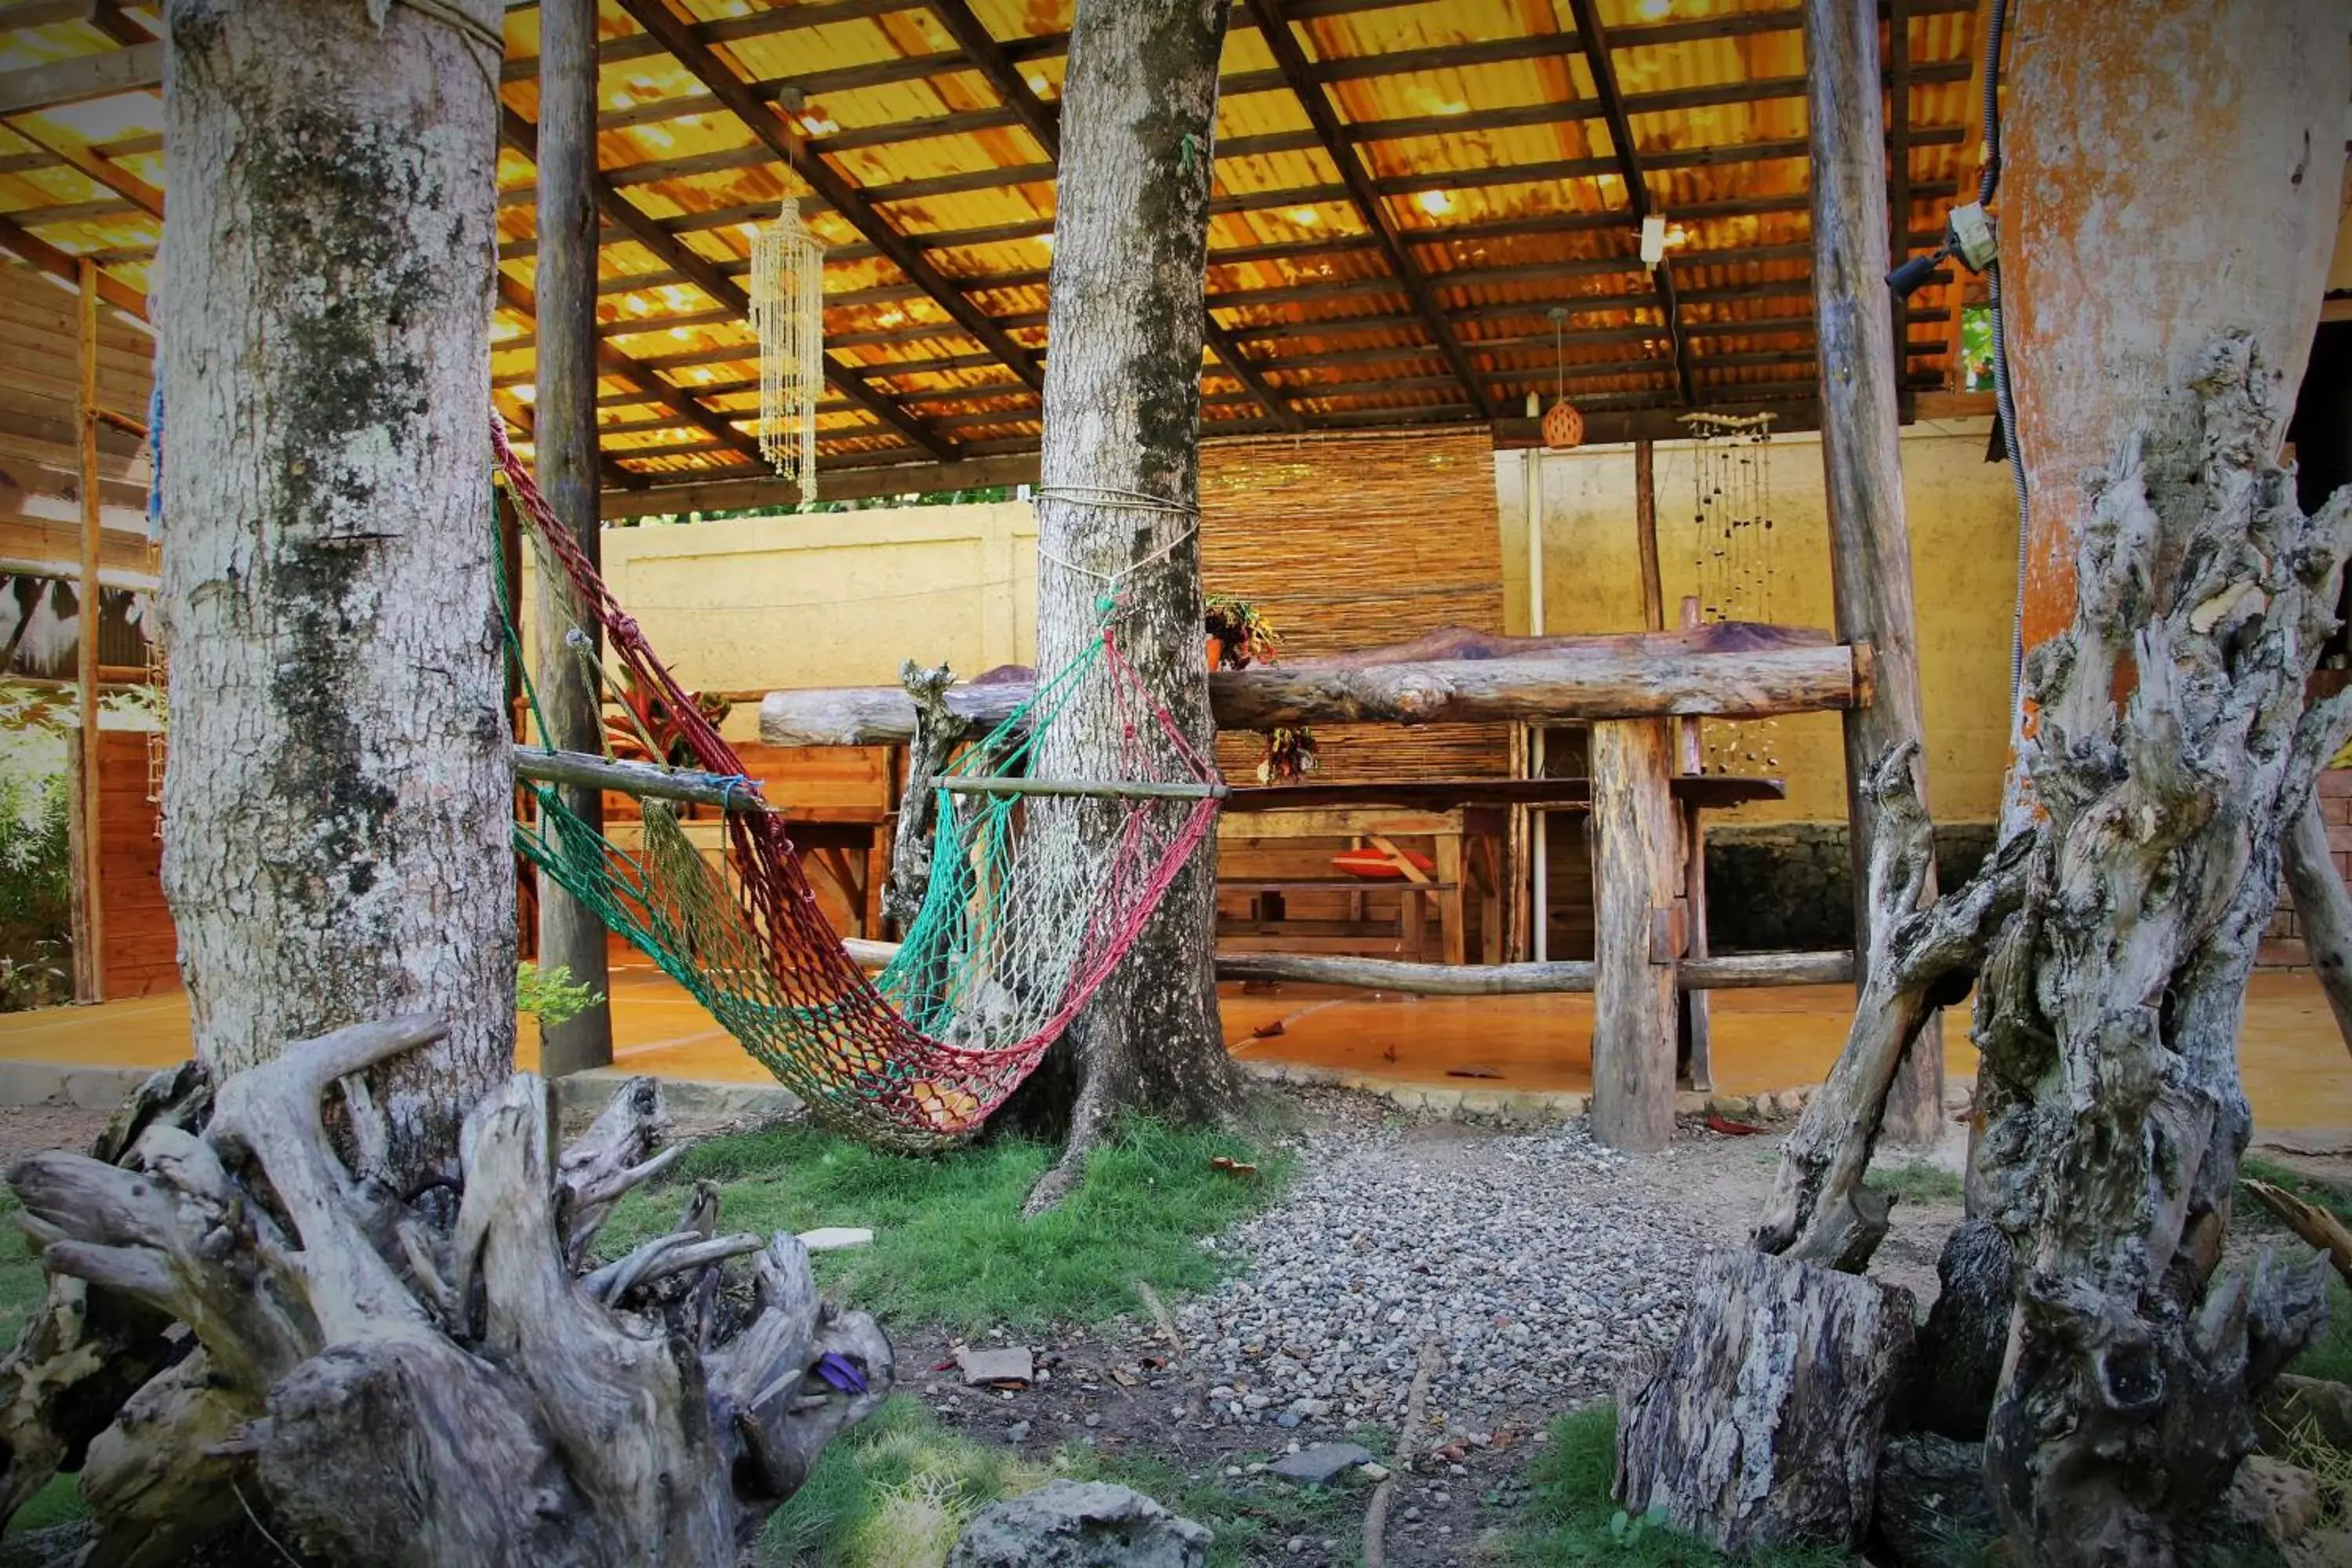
422	1378
1762	1425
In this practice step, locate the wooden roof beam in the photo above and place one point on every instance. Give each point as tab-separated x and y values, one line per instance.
1612	99
1275	28
79	77
1044	122
679	36
724	291
88	162
67	268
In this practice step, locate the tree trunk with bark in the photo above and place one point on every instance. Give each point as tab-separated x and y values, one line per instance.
439	1381
337	805
2109	1012
1118	519
1761	1425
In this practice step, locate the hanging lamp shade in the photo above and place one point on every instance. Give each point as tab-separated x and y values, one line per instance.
1562	425
788	318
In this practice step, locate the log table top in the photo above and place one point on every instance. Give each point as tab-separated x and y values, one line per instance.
1447	795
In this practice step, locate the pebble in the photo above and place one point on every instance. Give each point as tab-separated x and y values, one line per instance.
1540	1262
1017	1433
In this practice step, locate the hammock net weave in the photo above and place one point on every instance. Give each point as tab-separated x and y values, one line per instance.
1032	902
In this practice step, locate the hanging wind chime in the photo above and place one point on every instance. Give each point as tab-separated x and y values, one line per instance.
1563	426
1734	558
788	318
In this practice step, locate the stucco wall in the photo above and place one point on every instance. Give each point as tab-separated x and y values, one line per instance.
1963	539
834	599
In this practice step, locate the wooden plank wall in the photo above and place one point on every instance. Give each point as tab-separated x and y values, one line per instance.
142	952
40	385
1348	540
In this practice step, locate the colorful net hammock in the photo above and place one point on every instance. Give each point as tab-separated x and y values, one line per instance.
1032	903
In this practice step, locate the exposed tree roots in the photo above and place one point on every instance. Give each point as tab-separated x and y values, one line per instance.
241	1316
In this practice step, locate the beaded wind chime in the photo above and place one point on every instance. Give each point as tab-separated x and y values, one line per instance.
788	318
1734	560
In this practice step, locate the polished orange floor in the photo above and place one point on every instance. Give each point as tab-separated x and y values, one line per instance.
2296	1069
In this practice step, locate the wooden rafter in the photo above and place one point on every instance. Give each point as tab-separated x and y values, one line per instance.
706	276
612	362
785	142
79	77
1275	28
1044	122
67	268
87	162
1613	113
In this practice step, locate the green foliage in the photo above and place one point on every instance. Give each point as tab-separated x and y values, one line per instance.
884	1491
950	1245
1918	1181
896	1492
1578	1522
1976	346
552	996
2331	1355
36	853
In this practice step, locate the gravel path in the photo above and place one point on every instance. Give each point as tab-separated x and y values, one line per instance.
1540	1262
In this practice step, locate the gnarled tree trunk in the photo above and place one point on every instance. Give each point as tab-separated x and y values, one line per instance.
2111	1001
1122	422
439	1381
337	842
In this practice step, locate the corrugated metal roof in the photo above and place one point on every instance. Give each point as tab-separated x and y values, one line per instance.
1478	121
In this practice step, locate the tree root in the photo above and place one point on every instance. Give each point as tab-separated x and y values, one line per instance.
385	1387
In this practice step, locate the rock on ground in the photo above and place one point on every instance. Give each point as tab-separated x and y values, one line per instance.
1080	1524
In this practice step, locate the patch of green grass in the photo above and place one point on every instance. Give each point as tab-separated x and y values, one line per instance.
1579	1523
897	1490
2330	1355
60	1502
950	1245
1918	1181
885	1491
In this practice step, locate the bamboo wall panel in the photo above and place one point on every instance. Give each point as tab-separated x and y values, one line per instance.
1345	541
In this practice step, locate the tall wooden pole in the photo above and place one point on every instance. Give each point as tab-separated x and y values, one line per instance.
570	934
1870	542
1645	532
89	966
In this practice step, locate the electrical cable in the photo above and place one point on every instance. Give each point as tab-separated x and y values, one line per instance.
2003	402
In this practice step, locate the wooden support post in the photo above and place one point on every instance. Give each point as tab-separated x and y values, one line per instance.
569	932
1645	529
1698	1009
1635	870
1870	542
90	937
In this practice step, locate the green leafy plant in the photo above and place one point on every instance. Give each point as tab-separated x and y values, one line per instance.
551	995
35	852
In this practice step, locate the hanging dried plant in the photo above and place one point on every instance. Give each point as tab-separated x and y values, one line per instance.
1241	633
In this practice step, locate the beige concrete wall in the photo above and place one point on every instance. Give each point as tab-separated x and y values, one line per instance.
833	599
1963	521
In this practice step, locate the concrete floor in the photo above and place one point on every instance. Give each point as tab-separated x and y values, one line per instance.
2296	1069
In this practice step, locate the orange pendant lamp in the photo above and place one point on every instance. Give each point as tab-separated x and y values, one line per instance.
1563	426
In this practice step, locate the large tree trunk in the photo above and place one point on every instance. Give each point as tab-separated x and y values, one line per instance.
2111	1001
2154	364
1122	418
337	805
